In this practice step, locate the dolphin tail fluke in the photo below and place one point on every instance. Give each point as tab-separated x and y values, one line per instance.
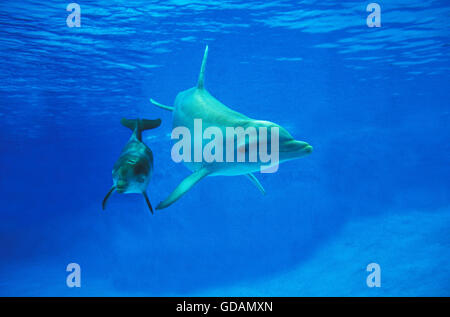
148	202
183	187
107	196
161	105
139	125
201	77
255	181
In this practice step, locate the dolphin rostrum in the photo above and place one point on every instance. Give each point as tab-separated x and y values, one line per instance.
133	169
197	103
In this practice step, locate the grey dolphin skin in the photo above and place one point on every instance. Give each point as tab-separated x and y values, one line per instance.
198	103
133	169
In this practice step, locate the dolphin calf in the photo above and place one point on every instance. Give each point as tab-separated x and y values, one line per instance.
197	103
133	170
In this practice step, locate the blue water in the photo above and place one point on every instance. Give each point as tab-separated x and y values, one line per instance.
374	103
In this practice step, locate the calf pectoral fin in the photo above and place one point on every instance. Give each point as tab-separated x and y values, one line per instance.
107	196
255	181
148	202
183	187
161	105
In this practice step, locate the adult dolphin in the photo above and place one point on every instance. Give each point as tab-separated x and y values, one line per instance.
133	170
197	103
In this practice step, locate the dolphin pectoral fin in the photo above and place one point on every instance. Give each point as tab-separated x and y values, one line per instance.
161	105
148	202
255	181
107	196
183	187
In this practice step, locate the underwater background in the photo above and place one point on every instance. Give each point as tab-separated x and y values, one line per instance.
373	102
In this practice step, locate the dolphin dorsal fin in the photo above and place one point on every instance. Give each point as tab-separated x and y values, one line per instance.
201	77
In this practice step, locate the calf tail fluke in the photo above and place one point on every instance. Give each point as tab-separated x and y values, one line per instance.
140	124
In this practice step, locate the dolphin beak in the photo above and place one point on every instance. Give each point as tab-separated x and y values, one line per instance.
307	149
295	146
